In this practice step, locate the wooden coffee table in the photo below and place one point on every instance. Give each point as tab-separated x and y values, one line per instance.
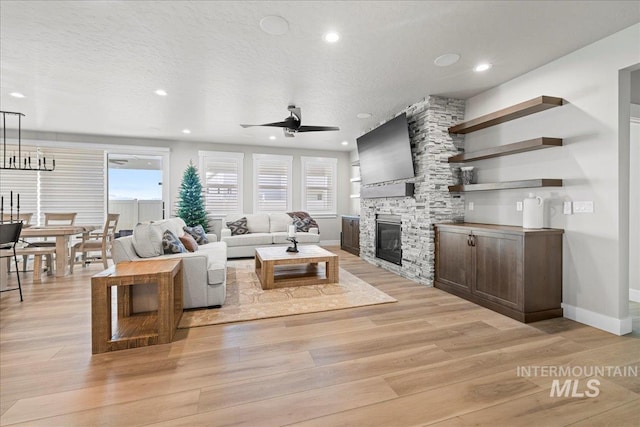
277	268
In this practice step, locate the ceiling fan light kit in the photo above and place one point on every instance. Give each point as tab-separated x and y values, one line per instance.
293	124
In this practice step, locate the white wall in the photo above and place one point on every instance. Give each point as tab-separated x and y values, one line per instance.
595	260
634	205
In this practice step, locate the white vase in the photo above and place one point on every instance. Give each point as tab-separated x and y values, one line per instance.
533	212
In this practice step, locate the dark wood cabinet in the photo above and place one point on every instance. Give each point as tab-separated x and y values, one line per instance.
511	270
350	235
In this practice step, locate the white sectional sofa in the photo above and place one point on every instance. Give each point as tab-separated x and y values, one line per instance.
264	230
204	271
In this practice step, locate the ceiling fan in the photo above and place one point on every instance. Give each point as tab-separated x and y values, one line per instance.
292	124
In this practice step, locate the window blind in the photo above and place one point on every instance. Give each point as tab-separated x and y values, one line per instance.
319	192
222	175
20	182
76	185
272	183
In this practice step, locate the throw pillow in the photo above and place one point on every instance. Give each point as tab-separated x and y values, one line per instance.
189	242
147	240
171	244
197	233
238	227
304	222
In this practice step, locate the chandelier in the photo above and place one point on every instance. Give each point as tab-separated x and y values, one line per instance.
11	162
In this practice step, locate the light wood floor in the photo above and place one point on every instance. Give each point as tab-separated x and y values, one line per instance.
430	359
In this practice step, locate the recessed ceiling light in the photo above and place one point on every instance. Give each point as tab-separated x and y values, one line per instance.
331	37
482	67
272	137
446	59
187	131
345	143
274	25
363	115
16	95
161	92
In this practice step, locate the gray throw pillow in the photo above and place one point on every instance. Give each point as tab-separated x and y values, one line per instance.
197	232
171	244
303	221
238	227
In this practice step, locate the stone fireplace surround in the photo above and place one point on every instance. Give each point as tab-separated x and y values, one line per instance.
431	146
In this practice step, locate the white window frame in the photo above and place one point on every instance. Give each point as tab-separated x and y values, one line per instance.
331	162
237	158
288	162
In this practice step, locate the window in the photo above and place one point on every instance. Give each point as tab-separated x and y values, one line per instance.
272	183
77	184
221	174
319	177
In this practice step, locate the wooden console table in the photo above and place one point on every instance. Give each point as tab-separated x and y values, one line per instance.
135	329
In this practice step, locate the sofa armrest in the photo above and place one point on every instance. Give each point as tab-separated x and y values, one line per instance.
212	237
225	232
314	230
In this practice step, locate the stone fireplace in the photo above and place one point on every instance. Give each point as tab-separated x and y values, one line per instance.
431	146
389	238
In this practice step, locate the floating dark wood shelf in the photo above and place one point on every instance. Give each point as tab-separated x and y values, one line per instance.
526	183
531	106
505	150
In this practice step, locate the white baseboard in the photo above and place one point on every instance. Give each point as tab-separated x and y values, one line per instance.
329	242
597	320
634	295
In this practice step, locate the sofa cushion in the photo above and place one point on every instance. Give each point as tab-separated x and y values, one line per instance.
279	222
258	223
189	242
197	233
303	221
250	239
281	238
147	240
171	244
238	227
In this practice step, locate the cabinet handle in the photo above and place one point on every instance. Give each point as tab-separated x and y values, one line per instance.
473	240
469	240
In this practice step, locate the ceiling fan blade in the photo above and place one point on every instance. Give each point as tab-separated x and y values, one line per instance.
316	128
275	125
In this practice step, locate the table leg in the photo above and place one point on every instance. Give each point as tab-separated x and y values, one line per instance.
62	243
100	316
268	271
332	270
165	308
4	271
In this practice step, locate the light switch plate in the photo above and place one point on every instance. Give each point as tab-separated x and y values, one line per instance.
567	210
519	206
471	206
583	207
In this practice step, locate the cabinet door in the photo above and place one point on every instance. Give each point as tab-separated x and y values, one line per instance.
355	234
453	260
498	268
347	235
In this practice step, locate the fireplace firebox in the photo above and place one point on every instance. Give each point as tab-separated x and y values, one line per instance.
389	238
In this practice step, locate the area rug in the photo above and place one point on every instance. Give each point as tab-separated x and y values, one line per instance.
247	301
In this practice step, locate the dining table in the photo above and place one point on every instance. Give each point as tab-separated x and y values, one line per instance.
62	234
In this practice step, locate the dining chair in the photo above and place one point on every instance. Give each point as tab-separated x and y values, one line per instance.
9	237
50	219
24	217
95	242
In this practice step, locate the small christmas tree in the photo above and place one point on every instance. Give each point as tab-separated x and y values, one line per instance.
190	204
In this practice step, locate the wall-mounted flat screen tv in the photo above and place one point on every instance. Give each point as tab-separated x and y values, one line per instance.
385	152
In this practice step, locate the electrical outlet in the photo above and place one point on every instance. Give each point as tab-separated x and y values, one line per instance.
583	207
470	206
567	210
519	206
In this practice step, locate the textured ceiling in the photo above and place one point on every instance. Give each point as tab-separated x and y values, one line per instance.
92	67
